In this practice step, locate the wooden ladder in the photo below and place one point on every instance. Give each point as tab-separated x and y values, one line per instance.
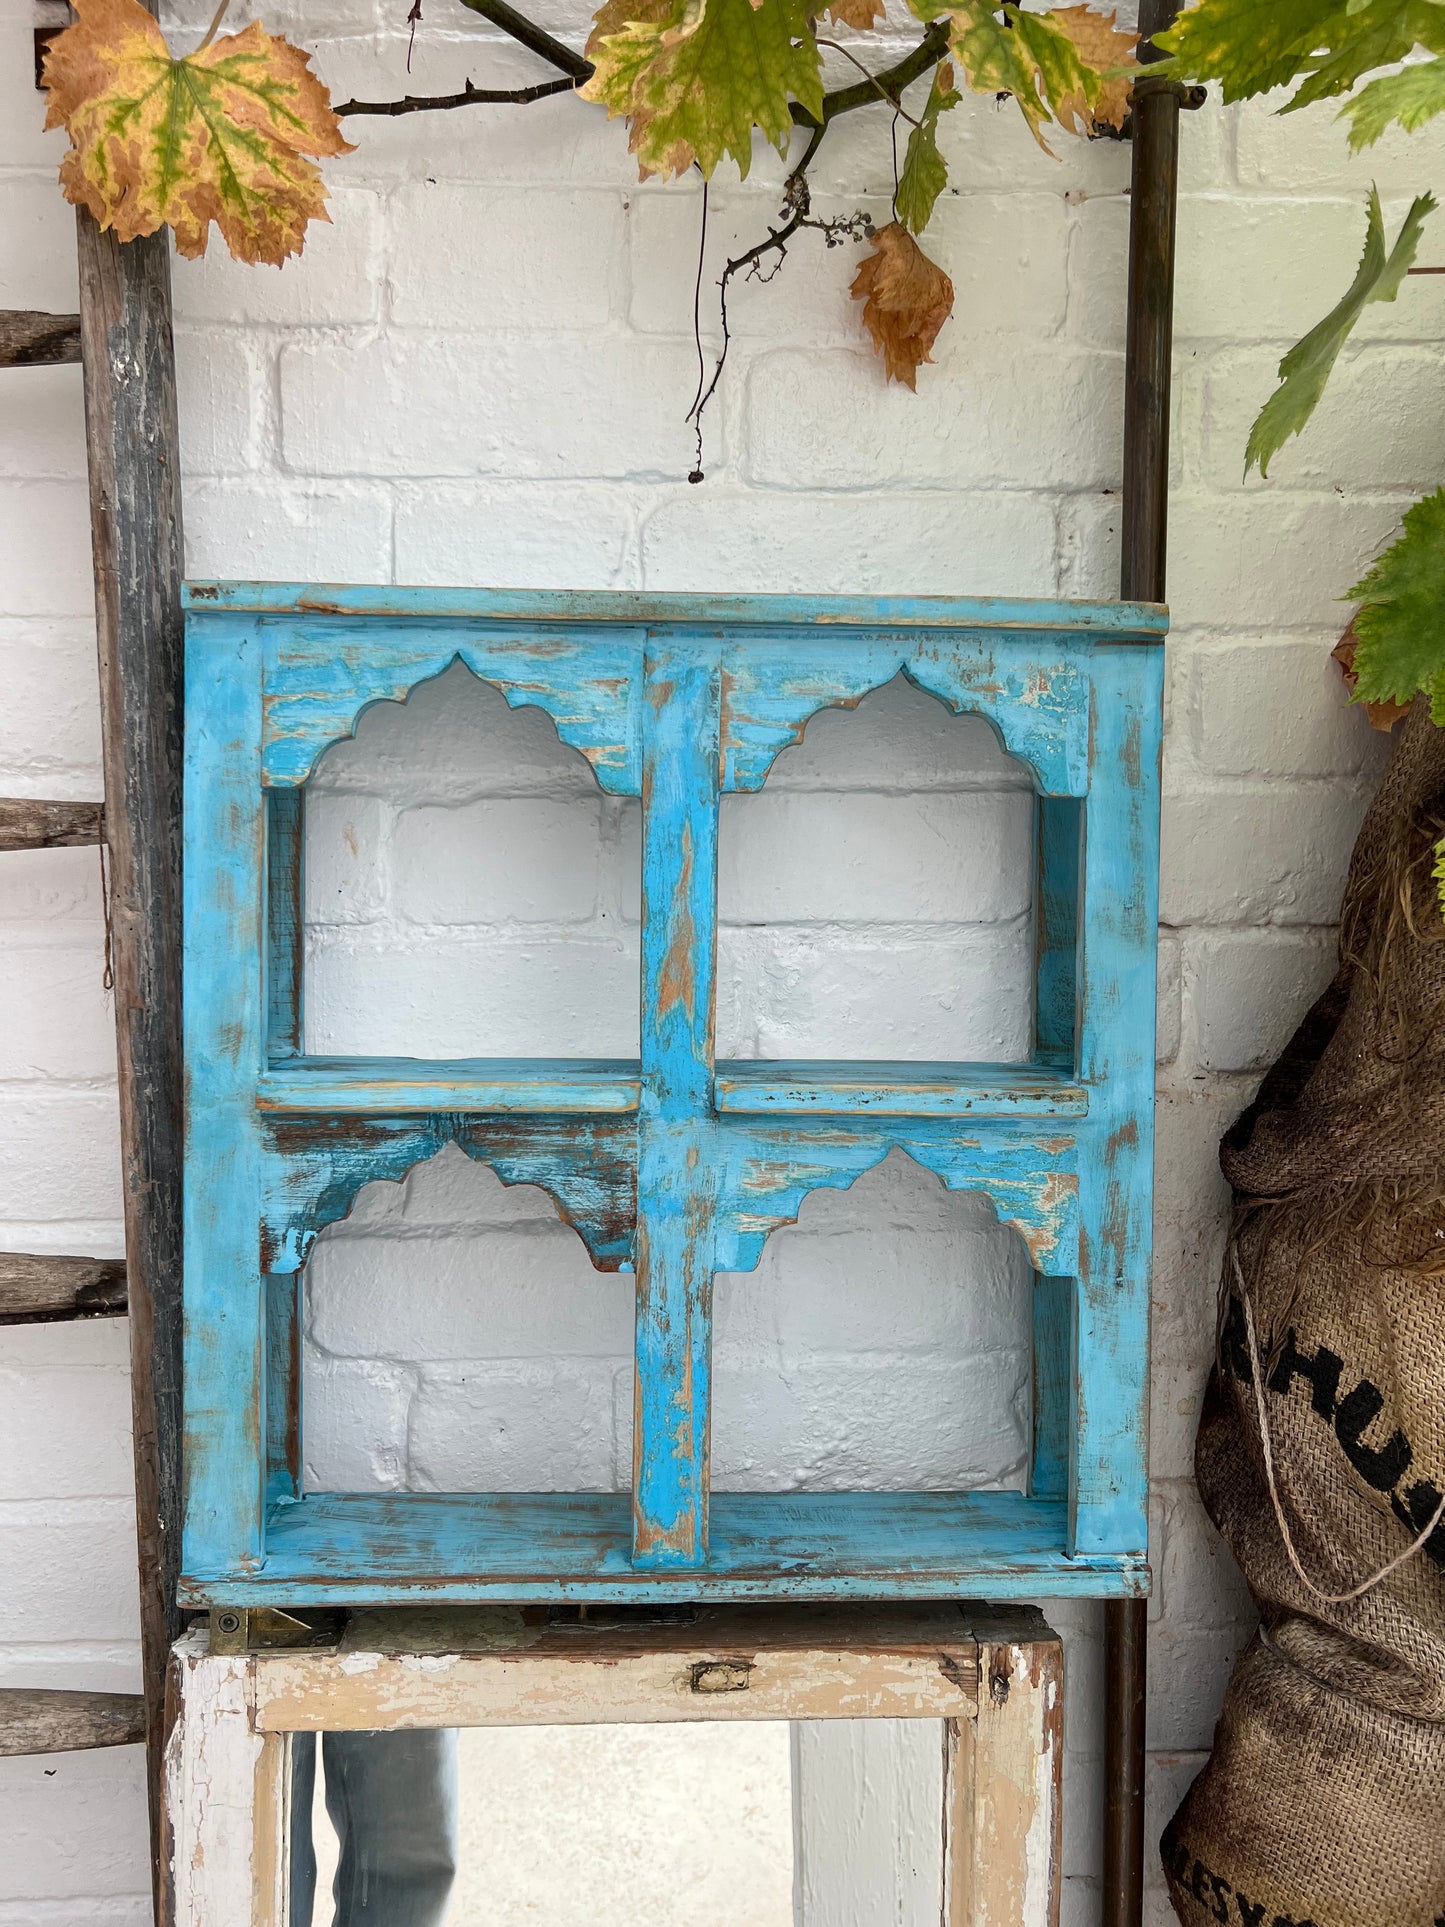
122	338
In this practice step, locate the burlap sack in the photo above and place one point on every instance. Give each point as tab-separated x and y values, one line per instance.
1324	1798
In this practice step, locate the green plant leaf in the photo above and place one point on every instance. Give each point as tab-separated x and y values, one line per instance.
697	76
1400	626
1438	873
1306	368
1249	46
1375	35
1042	59
925	172
1437	700
1413	96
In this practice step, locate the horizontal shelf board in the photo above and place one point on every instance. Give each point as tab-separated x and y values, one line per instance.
1140	622
899	1090
401	1086
376	1549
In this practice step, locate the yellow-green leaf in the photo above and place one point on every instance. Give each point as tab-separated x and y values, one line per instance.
221	135
1106	52
1413	96
1045	60
925	172
1438	873
694	78
1306	368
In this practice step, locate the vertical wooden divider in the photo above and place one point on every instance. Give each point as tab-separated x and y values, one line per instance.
675	1203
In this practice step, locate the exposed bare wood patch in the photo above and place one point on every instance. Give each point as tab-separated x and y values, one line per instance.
37	1290
46	1721
31	339
29	825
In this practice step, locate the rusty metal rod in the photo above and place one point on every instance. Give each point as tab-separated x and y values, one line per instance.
1153	191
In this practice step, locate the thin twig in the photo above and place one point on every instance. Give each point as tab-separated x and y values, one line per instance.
469	97
891	82
873	80
215	26
696	475
533	37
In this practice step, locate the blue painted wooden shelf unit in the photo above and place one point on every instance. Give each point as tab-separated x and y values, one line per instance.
675	1166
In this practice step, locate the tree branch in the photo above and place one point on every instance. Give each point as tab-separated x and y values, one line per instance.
533	37
889	84
469	97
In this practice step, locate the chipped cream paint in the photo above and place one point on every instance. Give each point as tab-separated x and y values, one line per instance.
226	1785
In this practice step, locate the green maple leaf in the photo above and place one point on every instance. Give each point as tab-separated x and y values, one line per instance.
1401	622
1306	368
1252	46
1411	97
1375	34
925	172
698	76
1249	46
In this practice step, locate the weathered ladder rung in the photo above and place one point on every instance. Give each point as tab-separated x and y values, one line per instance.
36	1289
31	339
48	1720
26	824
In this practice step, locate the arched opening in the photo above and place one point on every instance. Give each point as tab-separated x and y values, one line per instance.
469	889
875	896
883	1343
456	1338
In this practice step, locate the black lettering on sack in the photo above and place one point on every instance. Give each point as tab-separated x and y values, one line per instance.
1196	1883
1222	1891
1351	1417
1358	1410
1416	1510
1322	1372
1249	1914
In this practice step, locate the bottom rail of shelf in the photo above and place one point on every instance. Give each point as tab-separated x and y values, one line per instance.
399	1548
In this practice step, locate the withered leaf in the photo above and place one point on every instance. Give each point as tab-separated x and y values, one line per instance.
221	135
862	14
906	300
1105	49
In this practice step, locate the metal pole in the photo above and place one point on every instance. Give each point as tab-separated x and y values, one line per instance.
1153	187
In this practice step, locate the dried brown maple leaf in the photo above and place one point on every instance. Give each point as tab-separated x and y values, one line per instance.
222	135
1382	715
862	14
906	300
1103	47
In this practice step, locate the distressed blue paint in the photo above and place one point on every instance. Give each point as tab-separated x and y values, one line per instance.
676	1180
224	1016
322	674
669	1164
490	1086
1053	1386
873	1089
439	1549
1058	839
1118	938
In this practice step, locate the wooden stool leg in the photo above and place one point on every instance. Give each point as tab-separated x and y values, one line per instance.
1002	1798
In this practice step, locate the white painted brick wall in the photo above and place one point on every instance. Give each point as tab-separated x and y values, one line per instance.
478	374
